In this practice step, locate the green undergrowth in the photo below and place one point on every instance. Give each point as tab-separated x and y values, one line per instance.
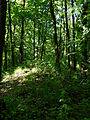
35	94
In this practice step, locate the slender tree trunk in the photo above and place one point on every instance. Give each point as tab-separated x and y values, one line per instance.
39	36
73	24
14	42
12	48
63	49
44	40
67	34
60	41
2	30
60	35
55	34
84	43
34	39
38	40
5	56
22	35
64	39
5	47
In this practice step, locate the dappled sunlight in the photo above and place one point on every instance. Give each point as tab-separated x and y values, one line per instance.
21	72
6	78
20	75
35	70
44	60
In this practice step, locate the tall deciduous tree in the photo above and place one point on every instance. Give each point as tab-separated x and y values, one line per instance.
39	35
55	34
85	41
73	24
67	34
6	48
44	40
22	34
2	30
34	37
10	26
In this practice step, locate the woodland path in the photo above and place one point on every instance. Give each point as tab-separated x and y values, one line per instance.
30	92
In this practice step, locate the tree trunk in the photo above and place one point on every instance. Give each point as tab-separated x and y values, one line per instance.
44	40
12	48
67	34
63	49
39	28
2	30
22	35
84	43
34	39
73	24
60	41
14	28
63	39
55	34
6	48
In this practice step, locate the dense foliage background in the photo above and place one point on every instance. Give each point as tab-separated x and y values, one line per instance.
44	59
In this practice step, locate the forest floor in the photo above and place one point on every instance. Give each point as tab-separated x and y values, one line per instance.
35	94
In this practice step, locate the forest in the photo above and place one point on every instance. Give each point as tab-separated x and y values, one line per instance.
44	59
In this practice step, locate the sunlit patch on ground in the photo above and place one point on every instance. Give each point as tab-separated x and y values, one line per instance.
18	77
20	73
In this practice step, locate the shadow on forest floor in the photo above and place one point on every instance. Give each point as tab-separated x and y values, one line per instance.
18	77
36	94
26	92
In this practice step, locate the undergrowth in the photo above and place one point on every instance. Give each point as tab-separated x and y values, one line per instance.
38	94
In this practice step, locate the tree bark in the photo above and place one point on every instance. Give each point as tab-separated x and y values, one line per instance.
67	34
73	24
44	40
60	41
22	35
55	34
34	39
10	26
39	28
63	48
84	43
2	30
5	48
